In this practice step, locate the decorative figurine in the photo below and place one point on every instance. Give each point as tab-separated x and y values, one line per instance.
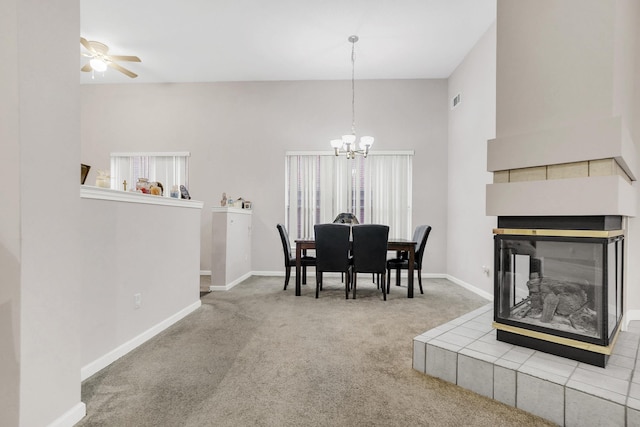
223	202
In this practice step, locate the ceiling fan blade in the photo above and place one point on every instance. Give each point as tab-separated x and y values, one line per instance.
86	44
122	70
86	68
125	58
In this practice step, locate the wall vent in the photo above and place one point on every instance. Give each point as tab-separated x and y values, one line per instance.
455	101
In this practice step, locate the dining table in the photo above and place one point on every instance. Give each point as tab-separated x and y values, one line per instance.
394	244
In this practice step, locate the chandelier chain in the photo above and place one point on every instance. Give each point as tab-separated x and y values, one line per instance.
353	87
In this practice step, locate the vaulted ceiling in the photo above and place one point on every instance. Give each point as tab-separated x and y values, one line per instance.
263	40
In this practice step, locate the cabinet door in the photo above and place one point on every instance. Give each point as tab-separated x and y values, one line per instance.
238	245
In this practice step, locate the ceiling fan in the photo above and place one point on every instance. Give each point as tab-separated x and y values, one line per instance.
100	59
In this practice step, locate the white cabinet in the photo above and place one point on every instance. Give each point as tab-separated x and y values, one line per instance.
230	247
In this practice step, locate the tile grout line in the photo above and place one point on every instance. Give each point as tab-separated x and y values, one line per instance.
633	372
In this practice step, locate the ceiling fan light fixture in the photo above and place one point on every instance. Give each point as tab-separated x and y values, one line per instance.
98	65
100	59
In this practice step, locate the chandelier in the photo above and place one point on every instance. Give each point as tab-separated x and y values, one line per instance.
347	144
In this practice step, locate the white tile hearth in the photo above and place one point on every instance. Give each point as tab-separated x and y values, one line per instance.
465	352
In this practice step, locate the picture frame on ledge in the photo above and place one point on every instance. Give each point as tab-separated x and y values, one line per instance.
84	171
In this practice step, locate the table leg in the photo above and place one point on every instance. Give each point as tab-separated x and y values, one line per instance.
298	265
412	259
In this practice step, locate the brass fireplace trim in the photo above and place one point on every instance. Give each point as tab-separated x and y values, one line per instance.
561	340
559	233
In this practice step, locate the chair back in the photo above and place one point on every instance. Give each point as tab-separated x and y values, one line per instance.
286	244
370	248
332	247
420	236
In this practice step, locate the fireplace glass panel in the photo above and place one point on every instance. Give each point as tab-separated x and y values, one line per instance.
569	287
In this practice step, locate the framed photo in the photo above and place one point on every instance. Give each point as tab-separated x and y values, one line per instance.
84	171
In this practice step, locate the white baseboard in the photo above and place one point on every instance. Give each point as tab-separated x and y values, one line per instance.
231	284
118	352
273	273
431	275
403	273
630	316
71	417
475	290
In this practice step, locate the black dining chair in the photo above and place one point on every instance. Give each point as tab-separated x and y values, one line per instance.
345	218
420	236
369	252
290	260
332	252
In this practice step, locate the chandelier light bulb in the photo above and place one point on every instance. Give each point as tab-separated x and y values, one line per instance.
366	142
348	139
336	143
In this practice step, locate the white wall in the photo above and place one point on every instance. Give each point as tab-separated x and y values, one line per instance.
238	134
555	64
10	256
40	242
471	124
564	63
633	240
131	248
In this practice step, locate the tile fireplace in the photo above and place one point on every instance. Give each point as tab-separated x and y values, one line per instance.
562	198
559	284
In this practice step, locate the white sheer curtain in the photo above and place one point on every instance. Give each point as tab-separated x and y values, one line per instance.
376	189
387	193
309	197
168	168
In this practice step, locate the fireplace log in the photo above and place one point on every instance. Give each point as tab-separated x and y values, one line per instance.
549	307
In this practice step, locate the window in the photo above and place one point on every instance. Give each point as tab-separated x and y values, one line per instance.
169	169
377	190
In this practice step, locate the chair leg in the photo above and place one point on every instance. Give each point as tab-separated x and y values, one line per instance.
320	274
397	277
355	280
304	275
420	280
347	287
384	291
318	284
287	275
388	280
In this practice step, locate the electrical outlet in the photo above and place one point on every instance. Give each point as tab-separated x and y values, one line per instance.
486	270
137	300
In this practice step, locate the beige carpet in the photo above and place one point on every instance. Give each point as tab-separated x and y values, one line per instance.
259	356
